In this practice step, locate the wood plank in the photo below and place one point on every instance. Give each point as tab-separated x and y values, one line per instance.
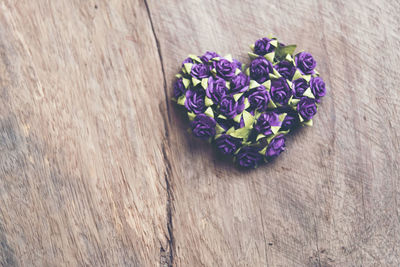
82	173
332	198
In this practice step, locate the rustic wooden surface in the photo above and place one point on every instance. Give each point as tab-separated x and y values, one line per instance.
97	170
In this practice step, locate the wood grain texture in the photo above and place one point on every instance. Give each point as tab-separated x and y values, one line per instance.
96	168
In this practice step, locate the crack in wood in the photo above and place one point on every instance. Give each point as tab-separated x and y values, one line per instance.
166	254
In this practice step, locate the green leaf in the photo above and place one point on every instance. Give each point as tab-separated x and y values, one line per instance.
252	47
178	75
282	116
252	55
274	43
237	118
221	116
181	100
293	102
208	102
297	75
209	112
271	104
191	116
219	129
230	130
195	81
188	67
248	119
275	129
247	72
241	133
309	94
267	84
186	82
259	137
308	123
282	51
195	58
204	83
237	96
253	84
270	56
246	103
237	71
229	57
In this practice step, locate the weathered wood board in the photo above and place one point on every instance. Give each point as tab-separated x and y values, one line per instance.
96	168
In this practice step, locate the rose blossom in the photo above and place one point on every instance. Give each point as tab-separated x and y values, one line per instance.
260	68
227	144
229	107
248	157
179	88
305	62
195	100
265	121
317	87
203	126
240	83
299	87
263	46
208	56
216	89
275	147
286	69
307	108
258	98
280	91
225	69
200	71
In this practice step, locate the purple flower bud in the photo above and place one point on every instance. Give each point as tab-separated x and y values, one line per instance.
280	91
225	69
265	121
195	100
286	69
307	108
179	88
317	87
200	71
240	83
227	144
216	89
208	56
229	107
248	157
305	62
203	126
290	122
260	68
258	98
299	87
263	46
275	147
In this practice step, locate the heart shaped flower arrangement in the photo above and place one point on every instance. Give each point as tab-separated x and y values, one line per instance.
246	112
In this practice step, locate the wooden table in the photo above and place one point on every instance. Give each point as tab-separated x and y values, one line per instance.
96	168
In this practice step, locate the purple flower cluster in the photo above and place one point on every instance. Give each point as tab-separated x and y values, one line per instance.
246	112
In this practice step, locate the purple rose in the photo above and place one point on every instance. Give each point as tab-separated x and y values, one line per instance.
227	144
280	91
195	100
263	46
200	71
290	122
317	87
203	126
240	83
260	68
179	88
187	60
237	63
208	56
258	98
305	62
307	108
248	157
286	69
275	147
229	107
299	87
225	69
216	89
265	121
